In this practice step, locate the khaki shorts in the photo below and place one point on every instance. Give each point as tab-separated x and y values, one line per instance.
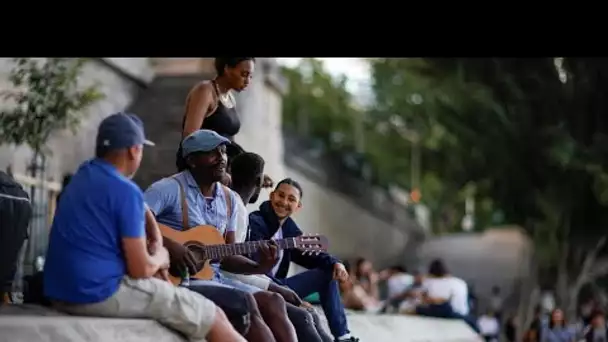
175	307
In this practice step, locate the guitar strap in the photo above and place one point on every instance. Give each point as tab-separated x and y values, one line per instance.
184	203
228	201
182	195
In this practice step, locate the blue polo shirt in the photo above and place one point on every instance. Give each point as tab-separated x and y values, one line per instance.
84	261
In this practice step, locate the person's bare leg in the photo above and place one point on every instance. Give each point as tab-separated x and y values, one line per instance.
258	330
352	301
272	308
221	329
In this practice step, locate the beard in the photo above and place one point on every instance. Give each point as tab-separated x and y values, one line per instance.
211	173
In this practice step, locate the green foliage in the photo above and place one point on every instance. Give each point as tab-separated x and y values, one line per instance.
46	98
319	106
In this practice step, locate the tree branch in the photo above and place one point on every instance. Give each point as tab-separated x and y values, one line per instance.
591	269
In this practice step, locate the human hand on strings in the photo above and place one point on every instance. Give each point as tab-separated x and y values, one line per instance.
268	255
181	258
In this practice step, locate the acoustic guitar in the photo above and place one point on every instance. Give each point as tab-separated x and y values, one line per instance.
206	243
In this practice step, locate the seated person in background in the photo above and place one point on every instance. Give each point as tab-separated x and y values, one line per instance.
489	326
496	302
98	263
354	296
397	281
195	197
407	300
247	180
597	330
444	296
558	329
273	221
367	277
511	329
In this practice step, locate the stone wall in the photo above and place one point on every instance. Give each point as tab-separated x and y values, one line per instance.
120	80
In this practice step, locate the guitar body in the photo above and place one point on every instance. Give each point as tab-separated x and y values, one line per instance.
195	236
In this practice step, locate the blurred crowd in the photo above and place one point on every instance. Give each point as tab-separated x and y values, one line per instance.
552	325
435	292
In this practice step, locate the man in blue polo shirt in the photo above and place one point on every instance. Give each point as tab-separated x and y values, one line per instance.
98	263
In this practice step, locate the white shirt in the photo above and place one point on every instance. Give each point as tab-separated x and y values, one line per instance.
488	325
277	236
242	220
460	296
441	288
451	289
398	283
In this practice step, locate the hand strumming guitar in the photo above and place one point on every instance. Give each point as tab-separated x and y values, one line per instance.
181	258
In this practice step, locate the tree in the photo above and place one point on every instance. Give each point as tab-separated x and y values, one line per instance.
529	134
46	98
407	103
317	105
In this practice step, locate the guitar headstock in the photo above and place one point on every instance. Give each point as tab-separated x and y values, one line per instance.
311	244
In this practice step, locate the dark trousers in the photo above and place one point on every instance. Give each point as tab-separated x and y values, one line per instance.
321	281
445	310
307	323
235	303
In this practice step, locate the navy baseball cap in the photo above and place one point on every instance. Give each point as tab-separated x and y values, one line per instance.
203	140
121	130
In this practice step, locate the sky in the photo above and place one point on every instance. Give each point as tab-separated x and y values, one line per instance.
355	69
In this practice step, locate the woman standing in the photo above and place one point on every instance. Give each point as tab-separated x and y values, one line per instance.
211	104
558	330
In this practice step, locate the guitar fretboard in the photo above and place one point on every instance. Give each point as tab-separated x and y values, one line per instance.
220	251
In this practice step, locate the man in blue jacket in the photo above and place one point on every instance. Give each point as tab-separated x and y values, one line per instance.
273	221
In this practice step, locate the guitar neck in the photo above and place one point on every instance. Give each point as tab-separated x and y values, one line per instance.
220	251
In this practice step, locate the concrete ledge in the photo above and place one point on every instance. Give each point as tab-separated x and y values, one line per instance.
78	329
29	323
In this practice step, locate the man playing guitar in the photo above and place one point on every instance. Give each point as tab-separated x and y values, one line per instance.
195	197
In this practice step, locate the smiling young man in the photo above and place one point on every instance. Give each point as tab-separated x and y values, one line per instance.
247	181
273	221
196	197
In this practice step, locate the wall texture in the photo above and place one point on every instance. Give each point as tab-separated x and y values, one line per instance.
120	80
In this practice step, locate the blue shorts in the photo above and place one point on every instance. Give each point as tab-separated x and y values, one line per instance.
219	279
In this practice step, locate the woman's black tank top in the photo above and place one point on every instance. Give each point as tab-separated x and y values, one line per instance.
224	121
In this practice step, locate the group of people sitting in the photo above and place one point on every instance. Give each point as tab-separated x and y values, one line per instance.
107	256
435	294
